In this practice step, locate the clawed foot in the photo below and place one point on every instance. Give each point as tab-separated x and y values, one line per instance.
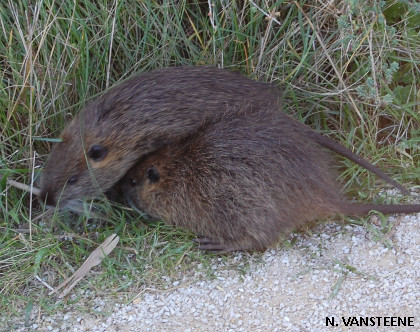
207	244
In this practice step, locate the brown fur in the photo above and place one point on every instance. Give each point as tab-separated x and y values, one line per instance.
139	116
240	182
145	113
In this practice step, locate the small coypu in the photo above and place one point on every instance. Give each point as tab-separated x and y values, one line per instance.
240	182
143	114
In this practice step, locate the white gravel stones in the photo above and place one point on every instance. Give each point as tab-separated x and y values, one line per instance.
292	290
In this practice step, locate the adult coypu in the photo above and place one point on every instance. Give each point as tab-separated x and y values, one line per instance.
241	181
143	114
136	117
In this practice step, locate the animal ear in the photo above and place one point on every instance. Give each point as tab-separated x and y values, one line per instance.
153	174
97	152
104	108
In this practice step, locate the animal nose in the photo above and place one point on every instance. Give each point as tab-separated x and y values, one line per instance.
47	198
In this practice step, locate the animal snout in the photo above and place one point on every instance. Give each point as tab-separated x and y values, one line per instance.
46	197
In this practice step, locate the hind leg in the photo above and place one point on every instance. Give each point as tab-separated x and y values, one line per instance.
207	244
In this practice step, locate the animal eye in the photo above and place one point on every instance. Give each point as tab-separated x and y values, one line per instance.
97	152
153	174
133	182
72	180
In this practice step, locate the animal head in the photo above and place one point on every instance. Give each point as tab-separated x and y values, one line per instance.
86	161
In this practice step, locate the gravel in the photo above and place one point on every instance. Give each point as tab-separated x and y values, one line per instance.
338	271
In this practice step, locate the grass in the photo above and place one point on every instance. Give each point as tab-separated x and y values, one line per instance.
349	69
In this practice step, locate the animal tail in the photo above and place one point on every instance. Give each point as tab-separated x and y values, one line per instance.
343	151
364	209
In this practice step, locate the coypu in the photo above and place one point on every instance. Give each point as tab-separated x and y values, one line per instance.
143	114
240	182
